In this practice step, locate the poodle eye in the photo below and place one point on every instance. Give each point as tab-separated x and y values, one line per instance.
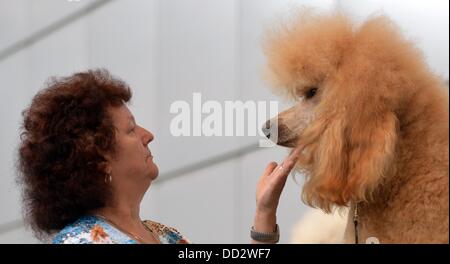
311	93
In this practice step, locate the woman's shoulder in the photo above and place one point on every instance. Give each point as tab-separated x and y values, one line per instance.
90	230
166	234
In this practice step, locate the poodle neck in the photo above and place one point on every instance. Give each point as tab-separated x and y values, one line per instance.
420	173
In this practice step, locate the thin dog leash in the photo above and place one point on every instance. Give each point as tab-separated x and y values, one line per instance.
355	222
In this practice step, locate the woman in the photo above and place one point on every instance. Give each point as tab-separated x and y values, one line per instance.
85	166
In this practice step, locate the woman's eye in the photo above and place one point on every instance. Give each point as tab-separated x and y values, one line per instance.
311	93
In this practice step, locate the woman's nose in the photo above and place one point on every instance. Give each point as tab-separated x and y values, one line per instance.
147	136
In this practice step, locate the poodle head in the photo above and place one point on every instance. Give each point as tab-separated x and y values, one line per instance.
348	83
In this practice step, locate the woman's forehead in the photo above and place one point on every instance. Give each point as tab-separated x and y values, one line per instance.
121	114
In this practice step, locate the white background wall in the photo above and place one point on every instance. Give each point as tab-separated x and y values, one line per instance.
166	50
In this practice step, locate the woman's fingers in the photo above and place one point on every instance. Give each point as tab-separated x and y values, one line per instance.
276	175
270	168
272	182
288	164
294	154
282	171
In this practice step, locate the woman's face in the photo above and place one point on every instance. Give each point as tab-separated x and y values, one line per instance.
133	161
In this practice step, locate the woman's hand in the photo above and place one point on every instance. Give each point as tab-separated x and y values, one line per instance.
269	190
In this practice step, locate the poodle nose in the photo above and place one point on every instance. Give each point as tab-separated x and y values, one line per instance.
266	129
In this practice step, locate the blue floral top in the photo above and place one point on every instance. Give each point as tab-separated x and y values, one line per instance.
95	230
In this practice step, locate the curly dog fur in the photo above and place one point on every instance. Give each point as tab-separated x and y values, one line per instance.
373	119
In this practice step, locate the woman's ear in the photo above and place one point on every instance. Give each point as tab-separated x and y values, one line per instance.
105	164
348	156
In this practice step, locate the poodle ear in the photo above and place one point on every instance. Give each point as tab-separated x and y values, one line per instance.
348	156
371	142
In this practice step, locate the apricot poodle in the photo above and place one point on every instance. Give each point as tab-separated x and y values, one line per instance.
373	120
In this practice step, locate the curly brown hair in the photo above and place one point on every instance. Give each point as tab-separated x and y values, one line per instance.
65	135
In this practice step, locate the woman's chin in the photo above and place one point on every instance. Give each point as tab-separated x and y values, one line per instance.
154	171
